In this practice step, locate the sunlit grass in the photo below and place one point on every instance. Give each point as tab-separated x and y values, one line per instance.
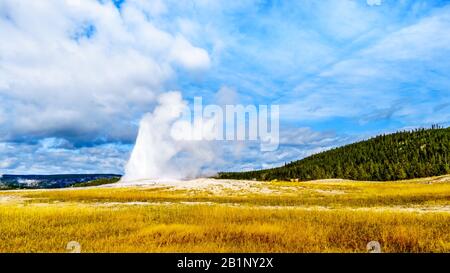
323	216
200	228
348	194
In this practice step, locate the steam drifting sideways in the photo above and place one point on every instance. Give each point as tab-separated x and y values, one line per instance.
174	145
156	154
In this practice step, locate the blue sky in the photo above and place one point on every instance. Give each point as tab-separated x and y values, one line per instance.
77	75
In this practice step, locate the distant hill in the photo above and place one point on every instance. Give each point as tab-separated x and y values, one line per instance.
10	181
402	155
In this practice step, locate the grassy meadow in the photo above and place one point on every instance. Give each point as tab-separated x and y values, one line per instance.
316	216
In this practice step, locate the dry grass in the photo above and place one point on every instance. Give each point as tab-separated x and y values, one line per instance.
324	216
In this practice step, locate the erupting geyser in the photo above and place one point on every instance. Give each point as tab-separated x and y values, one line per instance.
157	155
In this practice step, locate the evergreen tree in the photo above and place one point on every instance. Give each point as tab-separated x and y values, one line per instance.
403	155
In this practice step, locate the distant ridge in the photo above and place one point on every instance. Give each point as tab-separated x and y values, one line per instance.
13	181
402	155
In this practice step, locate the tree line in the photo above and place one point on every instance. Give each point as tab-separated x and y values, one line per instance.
402	155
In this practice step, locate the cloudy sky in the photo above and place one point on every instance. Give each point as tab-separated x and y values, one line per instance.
76	76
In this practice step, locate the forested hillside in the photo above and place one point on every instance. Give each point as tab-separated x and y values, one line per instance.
402	155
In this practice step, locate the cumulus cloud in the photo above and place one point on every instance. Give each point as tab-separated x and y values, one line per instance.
52	156
77	75
85	69
187	56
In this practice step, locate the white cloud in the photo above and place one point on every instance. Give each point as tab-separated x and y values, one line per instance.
187	56
295	144
85	66
346	19
374	2
53	156
421	41
395	72
75	71
6	163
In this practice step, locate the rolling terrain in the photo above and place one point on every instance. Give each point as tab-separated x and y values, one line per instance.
210	215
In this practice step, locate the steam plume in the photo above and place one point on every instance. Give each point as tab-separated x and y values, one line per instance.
157	154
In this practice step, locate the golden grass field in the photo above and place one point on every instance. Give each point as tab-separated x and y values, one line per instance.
317	216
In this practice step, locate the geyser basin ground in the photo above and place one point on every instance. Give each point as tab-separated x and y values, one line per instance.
209	184
231	216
